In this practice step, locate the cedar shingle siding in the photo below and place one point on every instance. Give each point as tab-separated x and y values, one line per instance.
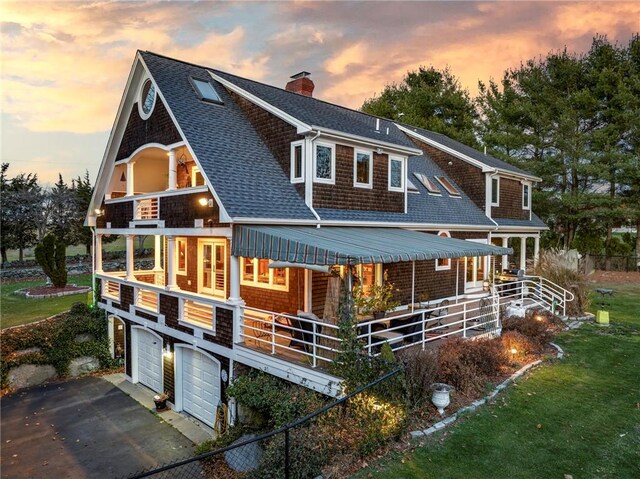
510	201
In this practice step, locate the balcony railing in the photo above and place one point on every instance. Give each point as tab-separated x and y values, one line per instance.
147	299
199	314
147	209
536	290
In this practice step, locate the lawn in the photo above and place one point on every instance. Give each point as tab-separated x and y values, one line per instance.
579	416
16	309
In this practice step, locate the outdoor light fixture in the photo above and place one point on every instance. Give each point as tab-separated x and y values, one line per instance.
98	212
167	351
206	202
514	351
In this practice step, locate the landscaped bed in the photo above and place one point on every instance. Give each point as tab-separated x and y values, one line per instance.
575	418
69	344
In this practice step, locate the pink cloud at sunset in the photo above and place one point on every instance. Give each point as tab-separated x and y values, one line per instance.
65	64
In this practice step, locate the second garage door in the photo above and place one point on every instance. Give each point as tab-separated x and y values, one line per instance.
200	385
149	360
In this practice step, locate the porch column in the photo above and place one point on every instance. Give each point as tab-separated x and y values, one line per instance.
97	254
536	249
129	251
505	257
130	190
157	256
173	171
171	264
234	279
523	252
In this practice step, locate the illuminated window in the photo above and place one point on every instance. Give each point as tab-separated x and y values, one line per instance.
256	272
196	177
181	256
445	263
362	169
452	190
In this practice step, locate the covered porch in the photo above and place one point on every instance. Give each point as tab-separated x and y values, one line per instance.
312	340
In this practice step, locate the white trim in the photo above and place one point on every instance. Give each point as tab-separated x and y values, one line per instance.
159	194
134	355
367	142
141	112
446	262
194	171
528	187
294	145
182	239
220	231
485	168
254	283
403	181
146	146
497	202
328	181
213	242
369	153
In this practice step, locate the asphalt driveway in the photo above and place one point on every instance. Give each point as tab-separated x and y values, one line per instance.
83	428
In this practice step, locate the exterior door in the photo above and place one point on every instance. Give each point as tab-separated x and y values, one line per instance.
475	269
200	385
149	359
212	266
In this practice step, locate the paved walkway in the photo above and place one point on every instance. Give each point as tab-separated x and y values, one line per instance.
83	428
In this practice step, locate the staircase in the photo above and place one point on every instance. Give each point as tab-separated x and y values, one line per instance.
537	291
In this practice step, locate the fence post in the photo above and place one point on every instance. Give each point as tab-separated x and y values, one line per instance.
424	333
273	334
464	320
286	453
315	341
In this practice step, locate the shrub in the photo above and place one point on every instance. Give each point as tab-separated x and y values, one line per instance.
517	346
551	265
420	373
537	330
457	369
487	355
51	256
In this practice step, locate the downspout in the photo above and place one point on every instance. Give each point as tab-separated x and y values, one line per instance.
308	185
93	266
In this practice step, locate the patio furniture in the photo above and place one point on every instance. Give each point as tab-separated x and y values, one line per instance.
408	327
439	312
484	315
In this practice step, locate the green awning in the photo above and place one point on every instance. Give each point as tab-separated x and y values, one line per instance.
348	245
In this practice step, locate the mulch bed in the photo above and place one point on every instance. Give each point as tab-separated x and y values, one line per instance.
39	290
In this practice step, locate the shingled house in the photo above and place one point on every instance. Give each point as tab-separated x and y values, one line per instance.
258	198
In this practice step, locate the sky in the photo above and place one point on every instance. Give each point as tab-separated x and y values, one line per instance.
64	65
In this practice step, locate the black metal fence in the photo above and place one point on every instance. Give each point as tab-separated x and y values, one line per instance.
611	263
293	451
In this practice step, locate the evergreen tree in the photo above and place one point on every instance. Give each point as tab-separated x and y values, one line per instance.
21	204
83	192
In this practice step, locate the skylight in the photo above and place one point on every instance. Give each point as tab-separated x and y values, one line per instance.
428	184
206	91
452	190
411	188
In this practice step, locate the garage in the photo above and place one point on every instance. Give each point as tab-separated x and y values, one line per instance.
147	360
200	381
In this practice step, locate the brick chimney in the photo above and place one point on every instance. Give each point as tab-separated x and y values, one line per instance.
301	84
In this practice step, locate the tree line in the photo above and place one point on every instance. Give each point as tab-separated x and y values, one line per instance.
30	211
573	119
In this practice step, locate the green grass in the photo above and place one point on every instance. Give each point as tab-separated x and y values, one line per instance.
117	245
16	309
579	416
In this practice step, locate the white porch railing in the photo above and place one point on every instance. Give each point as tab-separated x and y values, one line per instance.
537	290
146	299
199	314
147	209
111	289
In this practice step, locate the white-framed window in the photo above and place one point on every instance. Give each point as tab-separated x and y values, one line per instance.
526	196
196	176
146	99
362	168
297	161
396	174
256	272
324	163
181	256
212	267
495	191
368	275
444	263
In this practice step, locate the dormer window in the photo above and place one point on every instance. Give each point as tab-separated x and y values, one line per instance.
324	162
205	91
297	161
396	174
147	99
362	169
452	190
431	187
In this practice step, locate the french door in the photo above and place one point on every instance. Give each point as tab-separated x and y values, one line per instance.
212	267
475	269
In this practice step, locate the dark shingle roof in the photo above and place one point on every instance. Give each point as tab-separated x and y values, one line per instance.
535	222
319	113
240	167
488	160
422	207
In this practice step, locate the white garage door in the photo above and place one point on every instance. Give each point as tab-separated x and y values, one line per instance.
200	385
149	360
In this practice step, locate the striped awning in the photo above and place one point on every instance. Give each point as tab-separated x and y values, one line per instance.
347	245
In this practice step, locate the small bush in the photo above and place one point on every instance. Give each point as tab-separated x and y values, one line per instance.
518	347
456	368
420	373
488	356
538	326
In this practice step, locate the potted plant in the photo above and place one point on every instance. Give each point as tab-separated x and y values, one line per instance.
441	396
377	300
161	401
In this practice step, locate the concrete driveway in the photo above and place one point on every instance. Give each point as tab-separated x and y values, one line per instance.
83	428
